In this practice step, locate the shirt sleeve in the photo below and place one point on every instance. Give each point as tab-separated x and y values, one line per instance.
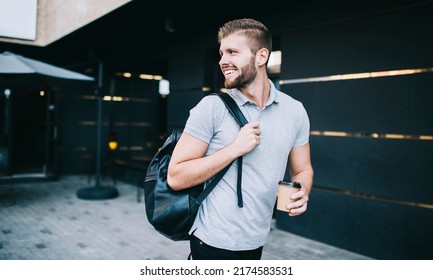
201	120
303	134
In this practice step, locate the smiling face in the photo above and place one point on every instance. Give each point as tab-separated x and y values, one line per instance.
237	63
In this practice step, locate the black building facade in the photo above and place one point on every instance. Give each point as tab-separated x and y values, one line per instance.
363	72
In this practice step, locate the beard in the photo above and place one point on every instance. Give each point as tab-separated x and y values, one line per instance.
247	76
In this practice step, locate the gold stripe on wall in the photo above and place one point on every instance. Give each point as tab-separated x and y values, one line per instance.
116	124
92	148
108	98
374	197
354	76
371	135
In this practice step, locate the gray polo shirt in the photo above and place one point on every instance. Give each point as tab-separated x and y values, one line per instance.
284	124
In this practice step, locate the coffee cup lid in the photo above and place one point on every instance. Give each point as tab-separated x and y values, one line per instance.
291	184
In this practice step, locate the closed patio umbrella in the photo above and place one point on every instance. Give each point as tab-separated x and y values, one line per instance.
11	63
19	71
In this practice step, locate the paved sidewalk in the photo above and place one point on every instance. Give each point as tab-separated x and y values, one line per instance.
48	222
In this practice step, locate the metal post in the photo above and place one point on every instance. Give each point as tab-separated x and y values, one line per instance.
99	125
97	192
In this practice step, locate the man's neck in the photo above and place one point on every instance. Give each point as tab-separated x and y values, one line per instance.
258	92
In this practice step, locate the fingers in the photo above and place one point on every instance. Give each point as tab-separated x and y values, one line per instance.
300	205
248	138
253	127
298	211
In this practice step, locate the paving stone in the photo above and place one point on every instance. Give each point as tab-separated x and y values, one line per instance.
48	222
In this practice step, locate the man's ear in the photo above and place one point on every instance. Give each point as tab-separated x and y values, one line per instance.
262	56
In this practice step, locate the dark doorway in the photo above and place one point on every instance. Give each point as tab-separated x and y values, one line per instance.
32	132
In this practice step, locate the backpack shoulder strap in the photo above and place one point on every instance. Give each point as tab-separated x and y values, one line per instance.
236	112
233	108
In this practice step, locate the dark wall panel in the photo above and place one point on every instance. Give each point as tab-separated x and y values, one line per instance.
392	168
74	135
368	105
134	120
420	104
377	181
187	72
395	40
187	77
378	229
400	104
134	111
75	109
179	105
132	87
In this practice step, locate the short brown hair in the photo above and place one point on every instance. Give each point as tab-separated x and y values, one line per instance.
257	32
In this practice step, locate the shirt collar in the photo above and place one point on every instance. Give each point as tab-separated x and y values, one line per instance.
241	100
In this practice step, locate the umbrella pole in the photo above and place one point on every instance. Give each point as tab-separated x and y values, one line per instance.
98	192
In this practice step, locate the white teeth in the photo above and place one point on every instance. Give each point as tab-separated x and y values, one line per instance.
229	72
